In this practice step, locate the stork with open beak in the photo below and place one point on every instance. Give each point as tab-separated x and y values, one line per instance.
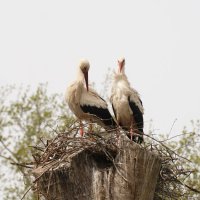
126	103
85	103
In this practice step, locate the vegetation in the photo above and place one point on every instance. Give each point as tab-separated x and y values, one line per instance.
23	122
26	117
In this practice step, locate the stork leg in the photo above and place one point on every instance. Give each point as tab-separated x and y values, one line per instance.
81	131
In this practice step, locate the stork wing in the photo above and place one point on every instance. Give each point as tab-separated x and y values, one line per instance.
137	114
101	113
93	104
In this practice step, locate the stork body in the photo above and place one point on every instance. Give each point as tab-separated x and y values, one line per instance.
85	103
126	103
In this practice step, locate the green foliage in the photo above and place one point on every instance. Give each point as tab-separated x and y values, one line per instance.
23	122
188	146
185	151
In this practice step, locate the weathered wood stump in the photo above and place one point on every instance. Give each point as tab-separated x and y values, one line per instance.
131	175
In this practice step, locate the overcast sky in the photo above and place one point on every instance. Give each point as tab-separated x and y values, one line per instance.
43	41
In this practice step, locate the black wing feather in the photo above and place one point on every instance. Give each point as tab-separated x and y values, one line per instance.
138	117
101	113
137	114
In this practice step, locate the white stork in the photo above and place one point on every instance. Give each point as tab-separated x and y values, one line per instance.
85	103
126	103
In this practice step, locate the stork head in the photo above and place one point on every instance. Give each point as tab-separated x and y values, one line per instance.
84	67
121	64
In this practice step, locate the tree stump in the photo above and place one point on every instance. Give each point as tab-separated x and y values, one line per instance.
129	173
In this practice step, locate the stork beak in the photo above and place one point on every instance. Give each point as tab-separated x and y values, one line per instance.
86	79
120	63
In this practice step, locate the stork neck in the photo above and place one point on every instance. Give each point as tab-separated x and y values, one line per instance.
121	79
80	76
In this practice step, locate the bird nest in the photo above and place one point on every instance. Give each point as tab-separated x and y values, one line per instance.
170	184
59	151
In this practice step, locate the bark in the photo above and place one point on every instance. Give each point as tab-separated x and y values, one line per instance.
88	175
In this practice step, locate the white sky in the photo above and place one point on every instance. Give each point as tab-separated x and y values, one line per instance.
43	41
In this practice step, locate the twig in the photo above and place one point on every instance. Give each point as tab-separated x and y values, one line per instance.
22	165
175	137
26	192
172	127
5	146
168	148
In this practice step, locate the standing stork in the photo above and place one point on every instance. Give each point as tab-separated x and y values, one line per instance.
126	103
85	103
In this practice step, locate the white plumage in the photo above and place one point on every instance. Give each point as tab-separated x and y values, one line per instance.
85	103
126	102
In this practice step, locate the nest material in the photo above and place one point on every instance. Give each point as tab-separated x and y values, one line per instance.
170	184
65	145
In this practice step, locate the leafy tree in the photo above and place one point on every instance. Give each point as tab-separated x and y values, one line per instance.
23	122
185	161
188	146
